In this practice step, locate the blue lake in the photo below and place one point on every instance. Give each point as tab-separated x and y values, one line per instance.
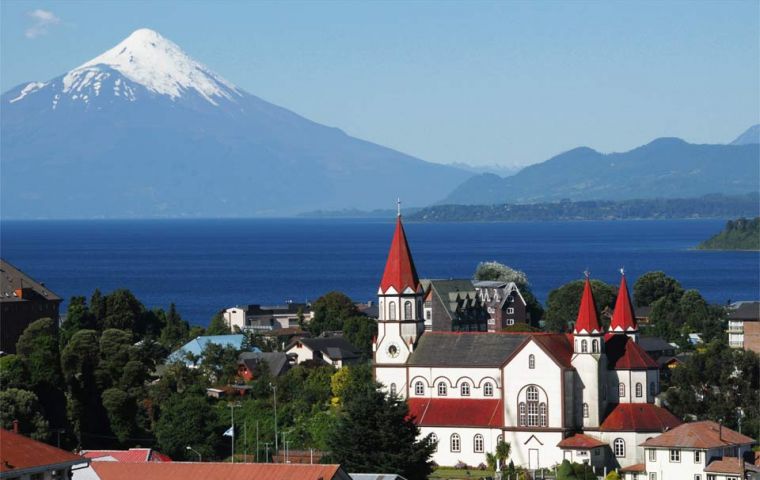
206	265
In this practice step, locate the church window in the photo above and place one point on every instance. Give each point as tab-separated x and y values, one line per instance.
639	390
542	414
523	421
434	441
619	447
456	443
408	310
499	439
532	394
478	443
465	389
442	390
419	388
531	361
392	310
393	389
532	414
585	410
488	389
584	346
595	346
621	389
532	408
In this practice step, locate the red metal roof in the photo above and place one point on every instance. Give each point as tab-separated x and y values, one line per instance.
625	354
399	268
216	471
587	321
637	467
557	345
455	411
18	452
580	441
639	417
704	434
730	465
131	455
623	318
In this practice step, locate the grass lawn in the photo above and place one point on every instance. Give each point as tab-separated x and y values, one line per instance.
443	472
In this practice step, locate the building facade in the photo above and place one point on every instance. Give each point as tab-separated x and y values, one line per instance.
259	318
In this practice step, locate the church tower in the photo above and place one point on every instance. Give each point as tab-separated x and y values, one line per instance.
589	361
400	299
623	318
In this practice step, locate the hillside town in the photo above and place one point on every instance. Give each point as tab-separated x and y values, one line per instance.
463	366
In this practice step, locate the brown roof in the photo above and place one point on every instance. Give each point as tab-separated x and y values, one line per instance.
580	441
704	434
638	467
638	417
214	471
19	453
731	465
12	279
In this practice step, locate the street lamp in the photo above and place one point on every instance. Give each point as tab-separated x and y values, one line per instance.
200	459
276	445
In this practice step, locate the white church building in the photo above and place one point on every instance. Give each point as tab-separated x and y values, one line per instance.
588	396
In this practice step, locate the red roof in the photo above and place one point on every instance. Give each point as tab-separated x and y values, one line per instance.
587	321
704	434
623	318
132	455
730	465
399	268
637	467
18	453
459	412
558	346
580	441
625	354
638	417
214	471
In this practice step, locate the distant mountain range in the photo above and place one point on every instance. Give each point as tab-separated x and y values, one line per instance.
143	130
664	168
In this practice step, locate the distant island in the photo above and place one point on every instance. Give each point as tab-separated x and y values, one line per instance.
708	206
740	234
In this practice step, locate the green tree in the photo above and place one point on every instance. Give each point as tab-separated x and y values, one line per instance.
503	450
503	273
38	348
330	312
123	310
78	317
121	410
188	419
23	405
374	434
563	303
79	362
613	475
360	331
13	373
115	350
219	363
218	326
654	285
98	309
174	334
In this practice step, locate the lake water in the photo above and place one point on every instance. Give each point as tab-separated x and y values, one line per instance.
206	265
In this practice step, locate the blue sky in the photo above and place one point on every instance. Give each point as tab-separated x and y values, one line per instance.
479	82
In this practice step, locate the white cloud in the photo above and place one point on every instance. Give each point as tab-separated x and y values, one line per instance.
42	20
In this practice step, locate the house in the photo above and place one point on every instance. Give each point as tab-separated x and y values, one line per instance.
249	364
264	318
25	459
195	347
217	471
22	301
744	326
504	303
335	351
642	314
133	455
657	347
700	451
537	391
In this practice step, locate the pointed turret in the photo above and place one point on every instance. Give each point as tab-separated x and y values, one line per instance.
587	321
623	318
399	268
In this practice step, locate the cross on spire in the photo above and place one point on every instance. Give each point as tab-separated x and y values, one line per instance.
398	206
587	273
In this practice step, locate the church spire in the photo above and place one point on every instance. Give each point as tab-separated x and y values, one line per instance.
587	321
623	319
399	268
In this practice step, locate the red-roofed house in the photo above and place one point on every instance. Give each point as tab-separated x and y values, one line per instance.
131	455
23	458
217	471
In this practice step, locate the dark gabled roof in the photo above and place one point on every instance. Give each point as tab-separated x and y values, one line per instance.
255	309
336	348
654	344
453	294
625	354
277	362
642	312
465	349
747	311
12	279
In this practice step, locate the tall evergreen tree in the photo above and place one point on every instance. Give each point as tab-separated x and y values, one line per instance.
175	331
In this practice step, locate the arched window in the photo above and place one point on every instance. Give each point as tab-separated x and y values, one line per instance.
639	390
584	346
499	439
532	394
488	389
595	346
419	388
523	417
621	389
619	447
393	389
434	441
531	361
477	443
464	390
456	443
533	409
585	410
408	310
392	310
652	388
442	390
542	414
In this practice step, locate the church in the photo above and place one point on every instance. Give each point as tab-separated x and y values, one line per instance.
589	396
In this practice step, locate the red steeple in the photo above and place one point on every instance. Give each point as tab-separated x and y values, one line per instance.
587	321
399	269
623	319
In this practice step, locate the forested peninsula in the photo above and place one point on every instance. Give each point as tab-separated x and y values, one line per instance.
740	234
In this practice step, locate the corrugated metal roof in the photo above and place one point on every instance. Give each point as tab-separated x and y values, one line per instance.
625	354
581	441
465	349
456	411
18	453
638	417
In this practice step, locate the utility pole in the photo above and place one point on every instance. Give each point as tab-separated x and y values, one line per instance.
276	445
233	406
257	441
266	455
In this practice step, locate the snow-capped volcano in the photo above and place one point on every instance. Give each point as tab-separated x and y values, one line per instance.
144	130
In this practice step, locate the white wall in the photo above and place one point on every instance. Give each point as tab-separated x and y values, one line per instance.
234	317
454	377
445	457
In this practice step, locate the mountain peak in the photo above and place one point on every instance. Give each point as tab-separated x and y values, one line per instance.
750	136
158	64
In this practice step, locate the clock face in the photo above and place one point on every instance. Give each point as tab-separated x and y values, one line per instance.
392	350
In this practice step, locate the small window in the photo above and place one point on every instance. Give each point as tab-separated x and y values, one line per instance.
510	321
542	414
442	390
456	443
675	456
427	314
531	361
585	410
652	455
464	390
697	456
621	390
419	388
619	447
511	298
478	443
393	389
510	310
392	310
639	390
523	415
488	389
697	476
408	310
652	476
595	346
434	441
584	346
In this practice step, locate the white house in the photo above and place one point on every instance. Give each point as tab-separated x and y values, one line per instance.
588	396
335	351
